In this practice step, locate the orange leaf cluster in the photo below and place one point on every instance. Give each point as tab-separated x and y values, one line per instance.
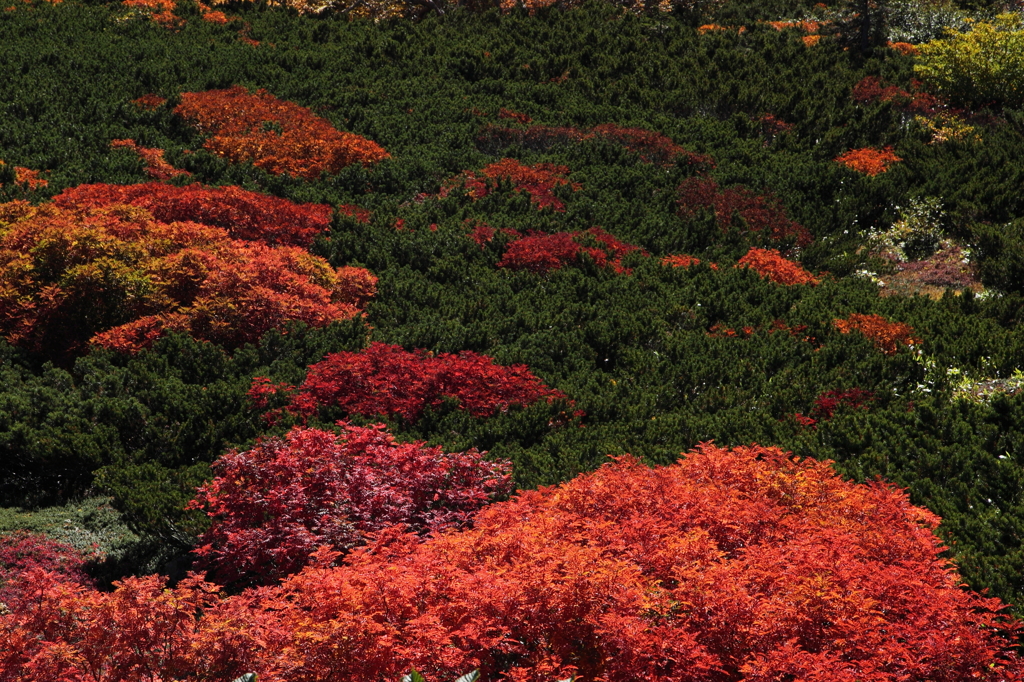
156	166
120	278
887	336
907	49
27	178
769	263
149	102
243	214
278	136
539	181
160	12
684	261
357	213
743	564
869	161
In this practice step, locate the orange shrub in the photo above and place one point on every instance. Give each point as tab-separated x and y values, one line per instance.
869	161
770	264
887	336
539	181
149	102
277	136
743	564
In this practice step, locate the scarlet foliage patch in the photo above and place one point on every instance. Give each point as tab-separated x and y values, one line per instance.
770	264
27	178
244	214
273	505
760	213
22	551
887	336
388	380
539	181
482	233
869	161
156	166
278	136
540	253
117	277
731	565
826	404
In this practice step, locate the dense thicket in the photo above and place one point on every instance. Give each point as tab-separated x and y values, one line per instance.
647	356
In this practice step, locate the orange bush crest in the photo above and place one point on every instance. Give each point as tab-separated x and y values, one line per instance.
280	137
869	161
887	336
156	166
114	276
733	564
770	264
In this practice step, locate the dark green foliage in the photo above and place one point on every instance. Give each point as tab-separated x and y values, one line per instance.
633	352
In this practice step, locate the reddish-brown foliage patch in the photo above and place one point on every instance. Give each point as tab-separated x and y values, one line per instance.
869	161
826	404
149	102
278	136
357	213
887	336
759	212
539	181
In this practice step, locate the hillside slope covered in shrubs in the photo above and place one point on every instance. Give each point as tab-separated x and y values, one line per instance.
268	271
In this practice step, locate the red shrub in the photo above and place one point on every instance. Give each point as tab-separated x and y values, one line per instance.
27	178
887	336
760	213
22	551
156	166
683	261
826	404
482	233
873	89
869	161
538	181
244	214
743	564
388	380
278	136
541	253
273	505
770	264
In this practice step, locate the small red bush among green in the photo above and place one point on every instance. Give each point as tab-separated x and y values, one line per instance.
539	181
388	380
759	213
540	253
887	336
22	551
273	505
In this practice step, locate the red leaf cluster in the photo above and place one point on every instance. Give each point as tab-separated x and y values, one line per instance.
22	551
770	264
27	178
887	336
869	161
275	135
681	260
743	564
539	181
541	253
273	505
759	212
116	277
387	380
826	404
156	166
244	214
874	89
650	146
